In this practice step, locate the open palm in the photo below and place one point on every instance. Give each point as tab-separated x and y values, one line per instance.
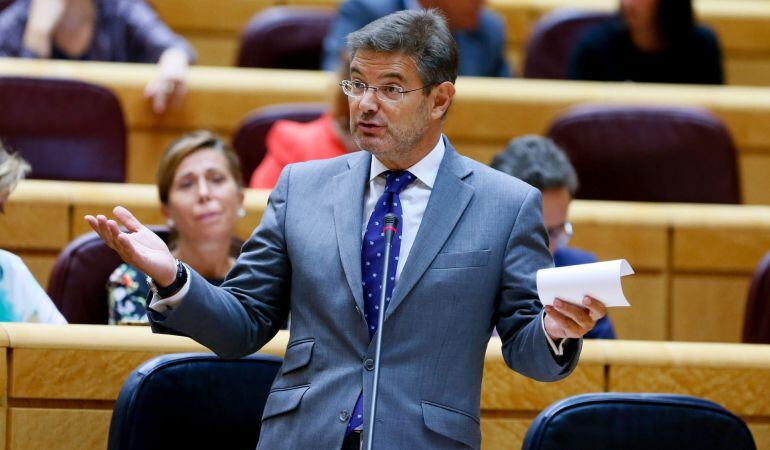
139	246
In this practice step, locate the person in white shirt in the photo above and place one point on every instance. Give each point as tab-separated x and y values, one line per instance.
21	297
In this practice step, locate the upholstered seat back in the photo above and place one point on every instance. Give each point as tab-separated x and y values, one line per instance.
553	39
193	402
66	129
655	154
249	139
756	325
285	38
637	422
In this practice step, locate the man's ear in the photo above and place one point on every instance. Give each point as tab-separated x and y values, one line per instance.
443	95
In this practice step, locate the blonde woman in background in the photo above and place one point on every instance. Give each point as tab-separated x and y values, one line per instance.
21	297
201	194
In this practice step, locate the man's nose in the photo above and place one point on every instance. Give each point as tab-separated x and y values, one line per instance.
369	100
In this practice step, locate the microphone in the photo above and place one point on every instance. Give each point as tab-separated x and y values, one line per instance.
390	228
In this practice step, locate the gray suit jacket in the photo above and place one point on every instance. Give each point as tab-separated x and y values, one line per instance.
472	266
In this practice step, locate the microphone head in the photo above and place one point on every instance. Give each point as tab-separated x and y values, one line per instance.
391	220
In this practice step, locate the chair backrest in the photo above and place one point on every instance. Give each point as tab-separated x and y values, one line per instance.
553	39
656	154
756	324
78	281
637	422
5	3
285	38
193	401
249	138
66	129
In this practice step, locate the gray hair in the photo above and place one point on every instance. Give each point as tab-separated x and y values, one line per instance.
538	161
12	169
422	35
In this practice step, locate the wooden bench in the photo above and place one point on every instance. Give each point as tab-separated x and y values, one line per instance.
693	262
58	384
742	25
485	115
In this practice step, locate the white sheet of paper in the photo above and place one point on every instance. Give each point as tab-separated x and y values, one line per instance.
571	283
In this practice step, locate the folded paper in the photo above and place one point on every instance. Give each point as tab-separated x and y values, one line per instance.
571	283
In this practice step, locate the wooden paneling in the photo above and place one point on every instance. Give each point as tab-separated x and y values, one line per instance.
721	248
503	433
40	265
708	309
745	392
71	374
648	316
35	218
61	429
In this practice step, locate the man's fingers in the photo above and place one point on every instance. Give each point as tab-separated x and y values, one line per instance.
577	313
571	329
597	310
127	219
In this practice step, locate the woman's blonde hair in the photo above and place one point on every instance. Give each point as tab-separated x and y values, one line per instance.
184	147
12	169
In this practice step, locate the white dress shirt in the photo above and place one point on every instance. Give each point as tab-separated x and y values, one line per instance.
414	197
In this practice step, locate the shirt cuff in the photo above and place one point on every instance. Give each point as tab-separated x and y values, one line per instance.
558	350
162	305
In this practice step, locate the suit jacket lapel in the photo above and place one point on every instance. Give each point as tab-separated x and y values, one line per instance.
348	210
448	199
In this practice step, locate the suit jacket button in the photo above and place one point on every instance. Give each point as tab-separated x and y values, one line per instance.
369	364
344	415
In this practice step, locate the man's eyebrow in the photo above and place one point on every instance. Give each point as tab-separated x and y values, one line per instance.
395	75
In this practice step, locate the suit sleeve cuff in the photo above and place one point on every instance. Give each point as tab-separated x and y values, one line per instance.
557	349
164	305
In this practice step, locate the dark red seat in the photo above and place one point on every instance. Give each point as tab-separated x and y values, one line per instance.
249	138
66	129
756	325
5	3
285	38
553	38
656	154
79	277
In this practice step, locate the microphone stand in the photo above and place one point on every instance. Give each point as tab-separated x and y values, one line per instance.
390	228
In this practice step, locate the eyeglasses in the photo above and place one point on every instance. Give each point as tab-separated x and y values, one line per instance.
560	234
387	93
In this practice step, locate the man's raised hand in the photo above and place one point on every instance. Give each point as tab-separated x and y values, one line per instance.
138	246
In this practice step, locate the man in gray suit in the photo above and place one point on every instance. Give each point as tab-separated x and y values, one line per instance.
470	241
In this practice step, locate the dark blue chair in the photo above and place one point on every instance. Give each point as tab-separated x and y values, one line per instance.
193	401
637	422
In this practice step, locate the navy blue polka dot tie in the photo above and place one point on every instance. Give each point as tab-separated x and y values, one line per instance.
372	258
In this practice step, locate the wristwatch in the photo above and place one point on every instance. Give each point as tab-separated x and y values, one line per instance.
173	288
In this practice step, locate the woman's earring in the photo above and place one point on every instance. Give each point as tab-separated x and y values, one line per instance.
170	223
241	212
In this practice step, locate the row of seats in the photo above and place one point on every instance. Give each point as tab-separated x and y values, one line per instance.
77	287
174	392
620	153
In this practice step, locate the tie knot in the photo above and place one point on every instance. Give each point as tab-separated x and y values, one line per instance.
395	182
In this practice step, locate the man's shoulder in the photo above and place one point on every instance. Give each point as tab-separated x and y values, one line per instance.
325	168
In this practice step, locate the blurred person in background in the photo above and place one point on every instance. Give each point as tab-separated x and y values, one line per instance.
654	41
478	32
540	163
201	195
326	137
21	297
100	30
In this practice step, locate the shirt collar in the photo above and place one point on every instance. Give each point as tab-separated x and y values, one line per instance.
425	169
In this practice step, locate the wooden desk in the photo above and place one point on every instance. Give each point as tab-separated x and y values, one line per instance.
485	115
693	262
58	384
